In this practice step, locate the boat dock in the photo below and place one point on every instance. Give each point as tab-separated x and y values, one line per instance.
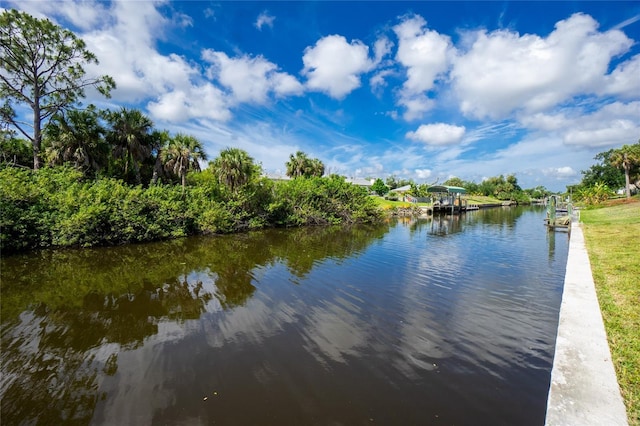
558	214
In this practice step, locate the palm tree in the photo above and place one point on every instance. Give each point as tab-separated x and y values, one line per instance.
297	164
77	137
317	167
234	168
129	135
301	165
181	155
626	157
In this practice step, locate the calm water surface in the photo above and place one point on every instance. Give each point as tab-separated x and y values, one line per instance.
429	321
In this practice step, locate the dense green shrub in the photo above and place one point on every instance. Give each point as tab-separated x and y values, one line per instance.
321	201
59	207
29	205
593	195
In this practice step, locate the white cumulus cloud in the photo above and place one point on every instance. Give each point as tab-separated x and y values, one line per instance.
84	15
206	101
426	55
624	81
250	79
334	65
559	172
438	134
423	52
613	124
607	133
504	71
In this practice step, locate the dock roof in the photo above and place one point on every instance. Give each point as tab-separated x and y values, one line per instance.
447	189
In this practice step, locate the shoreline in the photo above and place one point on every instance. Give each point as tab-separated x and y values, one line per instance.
584	388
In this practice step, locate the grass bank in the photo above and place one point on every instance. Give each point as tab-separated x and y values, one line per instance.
612	235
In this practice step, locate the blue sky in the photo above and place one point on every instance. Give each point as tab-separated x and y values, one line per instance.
419	90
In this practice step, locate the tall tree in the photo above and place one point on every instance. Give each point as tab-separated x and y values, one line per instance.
234	168
130	136
625	158
296	164
603	172
454	181
317	167
41	66
301	165
183	154
77	137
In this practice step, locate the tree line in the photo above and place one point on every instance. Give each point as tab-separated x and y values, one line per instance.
499	187
85	176
104	143
617	168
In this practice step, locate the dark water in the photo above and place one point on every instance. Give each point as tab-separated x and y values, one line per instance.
444	321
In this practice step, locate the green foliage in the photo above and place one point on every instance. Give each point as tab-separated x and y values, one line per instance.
299	165
418	190
321	201
454	181
472	187
379	187
15	151
594	194
627	158
85	198
28	201
602	172
234	168
130	133
502	188
617	168
58	206
182	154
77	137
42	70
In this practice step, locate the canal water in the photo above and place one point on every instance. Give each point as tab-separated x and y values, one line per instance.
450	320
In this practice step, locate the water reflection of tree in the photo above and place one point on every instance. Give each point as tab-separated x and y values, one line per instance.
505	216
48	384
306	246
62	278
67	314
49	363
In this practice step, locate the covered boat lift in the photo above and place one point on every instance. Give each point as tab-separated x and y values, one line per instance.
448	199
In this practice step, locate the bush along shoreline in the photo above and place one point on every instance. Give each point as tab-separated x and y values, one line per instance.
59	207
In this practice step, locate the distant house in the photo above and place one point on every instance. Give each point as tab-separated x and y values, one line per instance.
401	190
632	188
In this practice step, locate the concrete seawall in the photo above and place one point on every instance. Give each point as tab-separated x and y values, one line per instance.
584	390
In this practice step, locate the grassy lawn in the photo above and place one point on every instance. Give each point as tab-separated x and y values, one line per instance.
386	204
612	235
482	199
